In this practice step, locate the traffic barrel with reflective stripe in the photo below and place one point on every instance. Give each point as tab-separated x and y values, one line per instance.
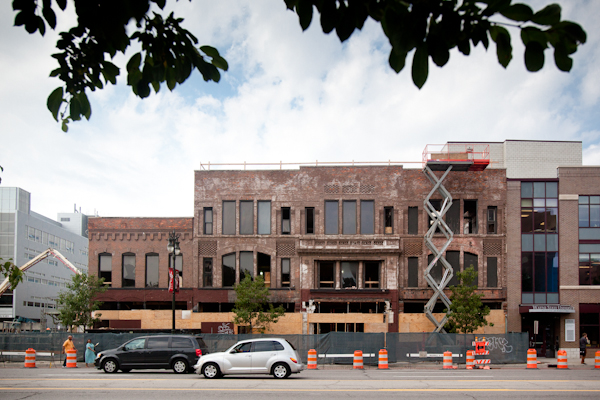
597	360
358	359
532	358
72	358
470	358
383	359
30	358
312	359
447	363
562	359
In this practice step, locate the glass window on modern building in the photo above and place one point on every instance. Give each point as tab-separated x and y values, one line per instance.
589	240
539	243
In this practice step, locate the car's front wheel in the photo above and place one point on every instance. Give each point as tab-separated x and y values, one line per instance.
211	371
110	366
180	366
281	370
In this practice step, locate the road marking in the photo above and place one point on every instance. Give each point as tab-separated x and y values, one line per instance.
306	390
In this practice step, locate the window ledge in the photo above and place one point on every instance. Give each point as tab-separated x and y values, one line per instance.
589	287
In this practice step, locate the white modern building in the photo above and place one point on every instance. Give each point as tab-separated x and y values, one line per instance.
23	235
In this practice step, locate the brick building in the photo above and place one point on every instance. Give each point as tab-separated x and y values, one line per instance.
340	247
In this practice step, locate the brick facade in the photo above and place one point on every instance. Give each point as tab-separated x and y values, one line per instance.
299	190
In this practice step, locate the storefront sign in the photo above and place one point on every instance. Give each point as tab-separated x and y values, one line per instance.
551	308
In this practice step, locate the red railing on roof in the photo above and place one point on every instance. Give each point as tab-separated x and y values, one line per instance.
478	154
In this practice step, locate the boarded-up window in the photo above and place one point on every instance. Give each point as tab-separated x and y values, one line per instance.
413	272
413	221
349	217
331	217
246	217
492	272
229	218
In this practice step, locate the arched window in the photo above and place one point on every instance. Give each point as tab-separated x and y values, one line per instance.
128	268
105	268
152	270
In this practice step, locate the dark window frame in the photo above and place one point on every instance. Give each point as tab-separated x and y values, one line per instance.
208	218
286	220
127	282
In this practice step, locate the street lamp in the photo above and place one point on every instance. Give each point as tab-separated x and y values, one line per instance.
173	249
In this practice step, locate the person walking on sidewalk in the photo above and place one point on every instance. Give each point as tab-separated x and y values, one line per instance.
90	353
67	345
583	342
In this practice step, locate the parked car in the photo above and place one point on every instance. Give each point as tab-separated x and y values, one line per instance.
273	356
179	352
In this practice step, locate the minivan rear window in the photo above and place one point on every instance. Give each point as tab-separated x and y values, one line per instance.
180	342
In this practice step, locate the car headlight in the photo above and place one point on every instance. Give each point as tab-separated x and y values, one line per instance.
98	355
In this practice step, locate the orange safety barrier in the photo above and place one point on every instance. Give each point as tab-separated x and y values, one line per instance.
30	358
358	359
312	359
562	359
72	358
470	358
597	360
532	358
383	359
447	363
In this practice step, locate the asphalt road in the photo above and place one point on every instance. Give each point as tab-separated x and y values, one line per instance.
89	383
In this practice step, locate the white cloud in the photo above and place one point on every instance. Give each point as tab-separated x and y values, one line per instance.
292	96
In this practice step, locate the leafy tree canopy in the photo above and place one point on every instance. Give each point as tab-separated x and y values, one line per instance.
252	307
467	313
76	305
169	53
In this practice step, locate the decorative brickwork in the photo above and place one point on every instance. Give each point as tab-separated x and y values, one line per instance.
367	189
492	247
413	248
349	189
332	188
285	249
207	248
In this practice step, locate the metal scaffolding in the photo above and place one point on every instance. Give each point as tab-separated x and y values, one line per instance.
437	222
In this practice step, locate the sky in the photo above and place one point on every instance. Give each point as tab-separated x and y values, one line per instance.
289	96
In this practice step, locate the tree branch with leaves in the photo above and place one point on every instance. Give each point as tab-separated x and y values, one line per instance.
76	305
252	307
427	29
467	312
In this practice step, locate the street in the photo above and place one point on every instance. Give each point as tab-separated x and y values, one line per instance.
59	383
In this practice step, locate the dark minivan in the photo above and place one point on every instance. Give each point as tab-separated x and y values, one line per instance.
179	352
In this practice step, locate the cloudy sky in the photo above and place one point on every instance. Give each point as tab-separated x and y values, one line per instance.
289	96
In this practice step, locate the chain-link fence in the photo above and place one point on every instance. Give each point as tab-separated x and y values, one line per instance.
332	348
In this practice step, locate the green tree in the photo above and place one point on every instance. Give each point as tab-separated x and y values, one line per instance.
75	306
252	308
467	313
425	28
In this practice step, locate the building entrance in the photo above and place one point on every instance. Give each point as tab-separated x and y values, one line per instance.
542	333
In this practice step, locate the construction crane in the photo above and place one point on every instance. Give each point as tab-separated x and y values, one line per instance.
42	256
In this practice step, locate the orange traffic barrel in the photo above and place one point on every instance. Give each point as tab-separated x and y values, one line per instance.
562	359
597	360
72	358
312	359
531	358
447	363
358	359
30	358
383	359
470	359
